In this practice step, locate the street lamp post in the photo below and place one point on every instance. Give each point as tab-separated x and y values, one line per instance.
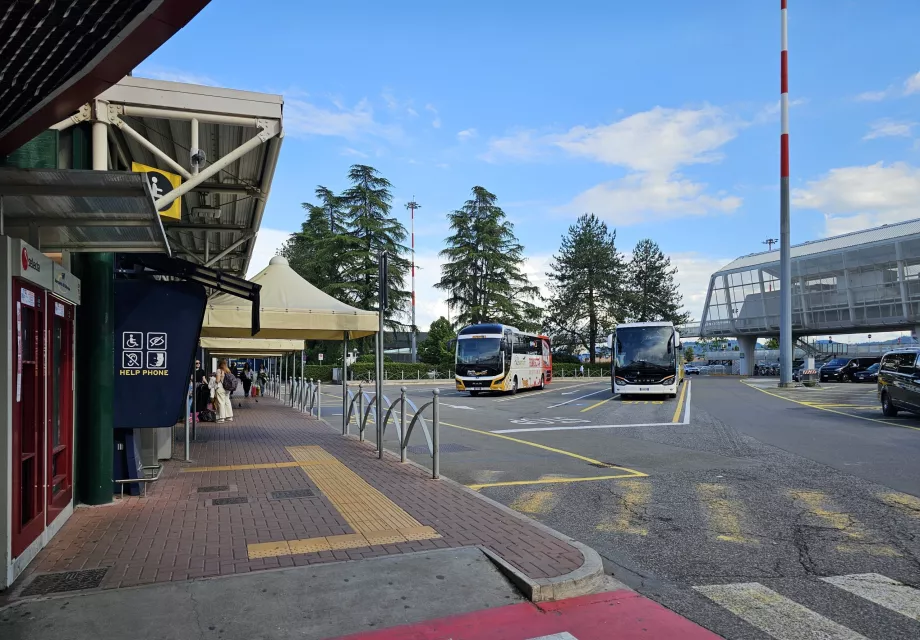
412	206
785	287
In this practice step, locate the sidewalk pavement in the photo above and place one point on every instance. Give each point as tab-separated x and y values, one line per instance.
275	488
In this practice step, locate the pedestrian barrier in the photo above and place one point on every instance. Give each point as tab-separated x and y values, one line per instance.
362	404
306	396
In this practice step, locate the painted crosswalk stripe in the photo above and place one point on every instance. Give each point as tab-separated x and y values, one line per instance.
881	590
635	497
855	536
722	511
774	614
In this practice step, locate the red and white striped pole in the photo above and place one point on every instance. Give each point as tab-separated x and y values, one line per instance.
412	206
785	319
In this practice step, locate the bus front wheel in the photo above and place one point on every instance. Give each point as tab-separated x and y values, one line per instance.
514	386
542	382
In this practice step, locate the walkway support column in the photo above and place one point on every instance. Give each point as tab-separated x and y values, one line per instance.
345	383
748	346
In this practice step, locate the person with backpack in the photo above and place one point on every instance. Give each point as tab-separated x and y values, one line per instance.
226	384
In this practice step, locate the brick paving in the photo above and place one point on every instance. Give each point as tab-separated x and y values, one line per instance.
176	533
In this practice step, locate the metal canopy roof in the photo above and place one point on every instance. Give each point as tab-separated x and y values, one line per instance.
835	243
57	54
81	210
156	123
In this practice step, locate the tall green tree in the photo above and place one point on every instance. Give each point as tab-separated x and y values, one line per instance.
653	293
586	280
482	271
771	343
689	354
434	349
312	251
373	229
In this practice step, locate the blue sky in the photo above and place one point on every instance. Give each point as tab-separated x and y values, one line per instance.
661	117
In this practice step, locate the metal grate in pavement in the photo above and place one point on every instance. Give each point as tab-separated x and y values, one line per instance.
292	493
47	583
216	487
234	500
447	447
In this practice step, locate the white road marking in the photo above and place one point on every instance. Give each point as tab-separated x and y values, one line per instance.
593	393
565	635
457	406
774	614
583	427
881	590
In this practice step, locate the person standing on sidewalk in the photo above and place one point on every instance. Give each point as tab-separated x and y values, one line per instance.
247	379
581	371
222	393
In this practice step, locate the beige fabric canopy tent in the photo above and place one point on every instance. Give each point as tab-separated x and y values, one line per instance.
290	308
249	347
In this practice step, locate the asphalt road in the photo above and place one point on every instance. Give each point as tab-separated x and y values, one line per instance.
755	513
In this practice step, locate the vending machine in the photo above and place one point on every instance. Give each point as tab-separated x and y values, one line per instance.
37	304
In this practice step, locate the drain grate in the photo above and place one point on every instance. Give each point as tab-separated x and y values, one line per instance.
65	581
234	500
293	493
447	447
216	487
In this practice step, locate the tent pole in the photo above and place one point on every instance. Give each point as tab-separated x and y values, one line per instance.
345	420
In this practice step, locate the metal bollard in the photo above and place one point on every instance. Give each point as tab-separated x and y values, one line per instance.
435	432
402	424
345	407
360	410
312	398
319	399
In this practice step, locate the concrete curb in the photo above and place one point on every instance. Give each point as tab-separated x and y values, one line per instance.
587	579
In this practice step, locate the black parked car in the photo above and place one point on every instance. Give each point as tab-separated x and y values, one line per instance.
869	375
898	376
845	369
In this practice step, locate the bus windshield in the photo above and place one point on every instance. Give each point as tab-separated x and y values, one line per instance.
479	351
645	348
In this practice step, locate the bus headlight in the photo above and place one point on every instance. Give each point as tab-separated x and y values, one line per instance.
667	380
620	380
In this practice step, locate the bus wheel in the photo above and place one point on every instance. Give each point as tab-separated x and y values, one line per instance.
672	395
514	386
542	382
474	393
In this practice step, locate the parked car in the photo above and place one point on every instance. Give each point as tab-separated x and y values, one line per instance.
898	376
845	369
797	373
869	375
691	370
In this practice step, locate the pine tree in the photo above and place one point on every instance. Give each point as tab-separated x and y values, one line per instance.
482	269
372	230
653	294
311	252
434	349
586	281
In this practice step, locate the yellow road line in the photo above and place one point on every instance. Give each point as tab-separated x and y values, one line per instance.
633	472
903	502
534	502
633	500
241	467
822	408
340	542
523	483
680	402
597	404
855	532
722	511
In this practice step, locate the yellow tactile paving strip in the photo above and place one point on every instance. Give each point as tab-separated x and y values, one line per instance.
375	518
242	467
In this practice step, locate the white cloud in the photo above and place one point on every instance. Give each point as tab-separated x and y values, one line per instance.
874	96
912	84
652	146
467	134
853	198
268	242
630	199
693	273
175	75
436	123
348	151
658	140
302	117
886	127
771	111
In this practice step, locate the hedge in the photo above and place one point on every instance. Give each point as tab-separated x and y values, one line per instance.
567	370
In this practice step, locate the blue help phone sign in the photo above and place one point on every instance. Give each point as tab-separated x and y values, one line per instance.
157	325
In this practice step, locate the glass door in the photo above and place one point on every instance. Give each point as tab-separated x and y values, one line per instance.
28	415
60	406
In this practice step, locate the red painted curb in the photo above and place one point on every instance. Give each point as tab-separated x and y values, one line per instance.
623	614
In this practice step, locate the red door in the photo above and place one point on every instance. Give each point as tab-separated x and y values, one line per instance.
28	415
60	406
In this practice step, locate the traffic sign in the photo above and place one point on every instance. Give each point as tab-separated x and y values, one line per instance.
162	182
320	357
